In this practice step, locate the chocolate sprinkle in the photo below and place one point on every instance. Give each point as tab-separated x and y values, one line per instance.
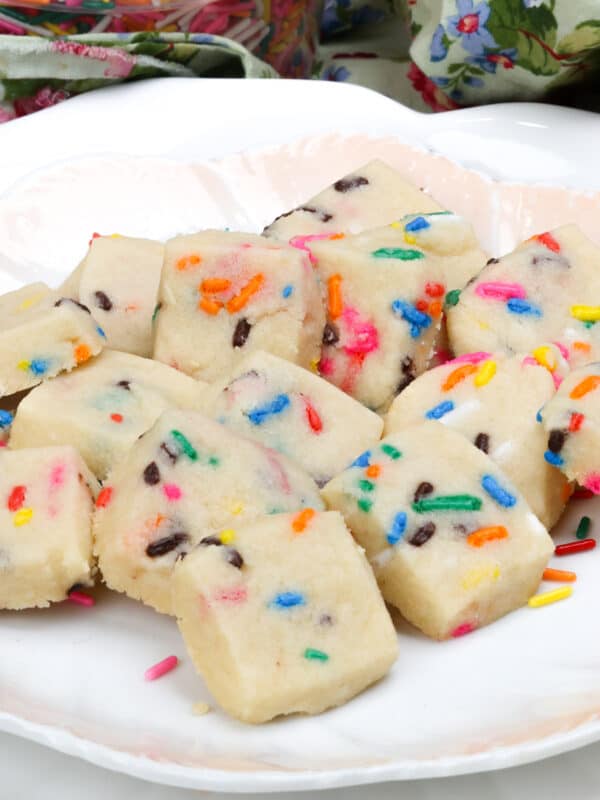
423	534
347	184
556	440
103	301
241	333
171	455
331	335
324	216
208	540
492	261
423	489
551	260
165	545
325	619
124	385
482	441
152	474
75	303
409	372
234	558
460	528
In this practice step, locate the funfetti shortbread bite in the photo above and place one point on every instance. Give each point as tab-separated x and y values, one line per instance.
224	295
103	407
185	479
295	412
453	544
571	427
494	400
547	290
283	616
41	335
372	195
119	282
384	306
46	503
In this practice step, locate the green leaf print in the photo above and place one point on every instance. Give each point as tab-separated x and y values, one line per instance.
532	31
585	36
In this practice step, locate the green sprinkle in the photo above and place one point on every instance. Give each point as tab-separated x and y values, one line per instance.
214	461
365	505
583	527
402	253
185	445
276	510
438	214
155	312
366	486
391	451
315	655
449	502
453	297
589	323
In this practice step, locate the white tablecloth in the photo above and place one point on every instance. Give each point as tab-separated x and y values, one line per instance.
31	772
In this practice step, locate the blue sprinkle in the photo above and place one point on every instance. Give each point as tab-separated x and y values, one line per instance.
278	404
396	532
538	416
417	224
287	291
39	366
519	306
437	412
288	600
6	418
490	485
554	458
417	319
363	460
101	332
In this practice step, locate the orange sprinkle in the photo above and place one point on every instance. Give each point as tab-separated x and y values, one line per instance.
548	241
585	386
117	417
214	285
334	295
435	308
82	353
560	575
131	307
484	535
239	301
104	497
210	306
186	261
457	375
567	491
373	471
302	519
336	236
575	422
582	346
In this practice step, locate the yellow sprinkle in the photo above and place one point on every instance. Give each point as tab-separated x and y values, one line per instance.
31	301
586	313
409	239
546	598
485	373
24	365
545	357
483	325
236	509
22	517
227	536
477	575
314	365
397	225
200	708
116	236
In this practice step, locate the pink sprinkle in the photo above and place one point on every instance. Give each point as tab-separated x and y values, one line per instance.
172	491
557	380
462	630
300	243
470	358
57	475
529	361
326	366
498	290
158	670
81	598
364	335
564	351
592	482
234	596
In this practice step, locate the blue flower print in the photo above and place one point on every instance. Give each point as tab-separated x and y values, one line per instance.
469	26
491	61
439	44
333	73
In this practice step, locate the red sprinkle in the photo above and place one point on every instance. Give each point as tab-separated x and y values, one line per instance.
234	596
548	241
104	497
575	547
158	670
94	236
314	420
422	305
117	417
16	498
462	630
434	289
582	493
81	598
576	422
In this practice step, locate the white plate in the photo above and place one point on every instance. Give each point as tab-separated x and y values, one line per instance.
133	160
